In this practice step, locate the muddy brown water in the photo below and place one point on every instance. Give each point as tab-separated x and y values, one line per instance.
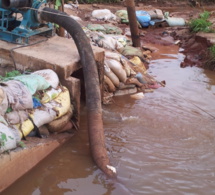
161	144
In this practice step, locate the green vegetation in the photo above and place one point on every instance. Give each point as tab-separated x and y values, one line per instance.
201	24
22	144
3	139
10	74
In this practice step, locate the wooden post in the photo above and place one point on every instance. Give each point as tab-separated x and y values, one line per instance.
133	23
61	31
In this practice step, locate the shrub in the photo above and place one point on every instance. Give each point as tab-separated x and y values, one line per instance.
201	24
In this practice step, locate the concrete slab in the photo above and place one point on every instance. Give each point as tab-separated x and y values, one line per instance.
19	161
55	53
60	55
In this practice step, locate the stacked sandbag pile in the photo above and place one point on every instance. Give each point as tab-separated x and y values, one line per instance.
124	65
125	76
27	102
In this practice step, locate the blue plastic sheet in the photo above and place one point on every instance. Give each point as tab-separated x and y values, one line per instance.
143	18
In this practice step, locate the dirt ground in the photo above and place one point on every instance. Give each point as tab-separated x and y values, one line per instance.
195	50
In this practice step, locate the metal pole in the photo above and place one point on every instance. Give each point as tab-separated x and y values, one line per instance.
133	23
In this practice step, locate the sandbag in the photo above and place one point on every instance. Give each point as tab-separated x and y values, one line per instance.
50	95
33	82
159	14
126	86
3	102
24	128
111	75
16	116
51	110
127	66
110	29
112	55
57	124
153	14
172	21
8	138
103	14
105	28
2	120
143	18
130	51
61	104
18	95
117	69
140	65
43	116
125	91
50	76
96	27
109	43
123	15
111	87
133	81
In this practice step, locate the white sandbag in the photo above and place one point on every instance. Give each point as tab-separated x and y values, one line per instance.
121	39
19	97
117	69
106	42
44	116
112	55
8	138
3	102
109	43
111	87
16	117
172	21
2	120
103	14
127	68
111	75
50	76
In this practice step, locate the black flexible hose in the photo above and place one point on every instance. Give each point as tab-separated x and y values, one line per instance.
93	95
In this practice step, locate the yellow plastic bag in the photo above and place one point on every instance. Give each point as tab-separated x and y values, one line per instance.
61	104
140	67
25	128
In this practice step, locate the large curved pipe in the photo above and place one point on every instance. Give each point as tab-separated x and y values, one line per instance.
16	3
93	96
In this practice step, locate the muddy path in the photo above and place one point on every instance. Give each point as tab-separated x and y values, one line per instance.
195	49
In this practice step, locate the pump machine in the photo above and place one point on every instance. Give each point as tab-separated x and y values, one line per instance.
19	20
